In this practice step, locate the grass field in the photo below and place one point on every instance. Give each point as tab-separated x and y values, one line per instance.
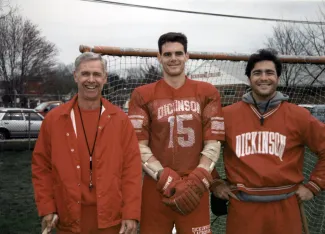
18	213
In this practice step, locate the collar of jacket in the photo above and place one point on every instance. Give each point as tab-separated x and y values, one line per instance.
107	106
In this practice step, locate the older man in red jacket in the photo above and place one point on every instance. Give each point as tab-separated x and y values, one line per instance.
86	164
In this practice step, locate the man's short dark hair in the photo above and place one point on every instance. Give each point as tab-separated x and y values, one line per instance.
172	37
263	55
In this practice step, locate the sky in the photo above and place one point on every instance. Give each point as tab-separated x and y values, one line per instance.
71	23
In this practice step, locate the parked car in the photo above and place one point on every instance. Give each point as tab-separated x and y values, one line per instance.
19	123
45	107
316	110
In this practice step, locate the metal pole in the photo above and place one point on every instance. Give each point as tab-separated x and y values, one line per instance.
29	143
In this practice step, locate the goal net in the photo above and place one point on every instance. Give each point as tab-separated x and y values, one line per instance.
303	80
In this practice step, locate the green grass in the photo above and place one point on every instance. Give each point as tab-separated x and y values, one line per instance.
18	213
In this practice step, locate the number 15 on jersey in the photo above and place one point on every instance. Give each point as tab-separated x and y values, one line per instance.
185	135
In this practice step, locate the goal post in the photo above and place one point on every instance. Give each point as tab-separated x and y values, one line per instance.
118	51
302	79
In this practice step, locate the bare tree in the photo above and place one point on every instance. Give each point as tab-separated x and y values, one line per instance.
143	75
287	40
314	44
24	52
60	81
120	87
300	40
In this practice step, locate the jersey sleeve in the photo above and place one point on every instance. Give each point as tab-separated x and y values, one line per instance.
314	138
139	116
213	121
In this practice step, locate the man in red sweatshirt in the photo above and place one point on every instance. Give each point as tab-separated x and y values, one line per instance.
264	152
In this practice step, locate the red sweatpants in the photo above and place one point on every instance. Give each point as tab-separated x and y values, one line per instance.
89	224
279	217
157	218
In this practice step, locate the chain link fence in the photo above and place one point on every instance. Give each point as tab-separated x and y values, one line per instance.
30	100
21	116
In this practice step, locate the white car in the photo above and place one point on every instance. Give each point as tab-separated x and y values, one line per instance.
19	123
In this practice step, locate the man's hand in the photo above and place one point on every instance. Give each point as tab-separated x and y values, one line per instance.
222	191
49	222
128	226
304	194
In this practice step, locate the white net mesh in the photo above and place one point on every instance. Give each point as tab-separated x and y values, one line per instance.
304	83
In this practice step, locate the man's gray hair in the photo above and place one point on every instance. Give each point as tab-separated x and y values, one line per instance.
90	56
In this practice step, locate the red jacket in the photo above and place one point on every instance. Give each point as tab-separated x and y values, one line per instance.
56	173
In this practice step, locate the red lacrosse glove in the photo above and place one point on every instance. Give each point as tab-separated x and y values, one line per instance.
166	179
181	198
201	179
185	195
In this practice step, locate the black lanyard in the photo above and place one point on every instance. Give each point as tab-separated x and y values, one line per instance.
92	150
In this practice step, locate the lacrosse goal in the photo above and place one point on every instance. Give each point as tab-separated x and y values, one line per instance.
303	79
